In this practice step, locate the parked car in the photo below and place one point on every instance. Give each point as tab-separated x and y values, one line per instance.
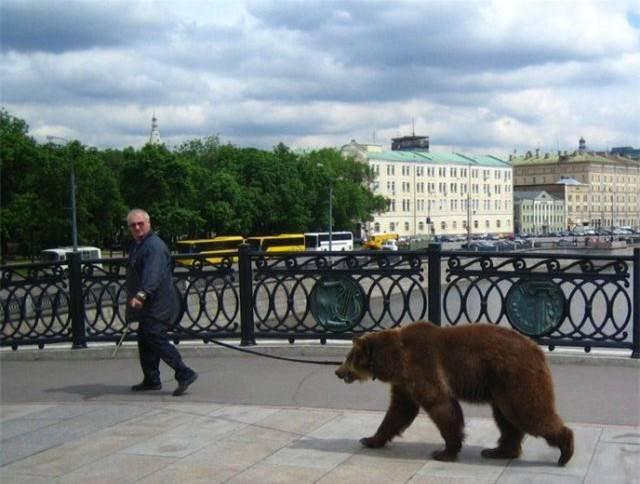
479	245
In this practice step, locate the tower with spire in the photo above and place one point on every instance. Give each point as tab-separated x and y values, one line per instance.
154	137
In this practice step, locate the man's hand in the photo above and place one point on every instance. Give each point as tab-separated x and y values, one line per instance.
136	303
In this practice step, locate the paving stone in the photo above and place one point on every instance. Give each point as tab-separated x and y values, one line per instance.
470	466
372	470
68	457
214	463
23	425
277	474
285	426
614	463
8	476
116	469
76	422
518	477
619	435
243	413
185	439
11	411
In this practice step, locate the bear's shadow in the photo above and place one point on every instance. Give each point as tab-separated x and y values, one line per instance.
470	454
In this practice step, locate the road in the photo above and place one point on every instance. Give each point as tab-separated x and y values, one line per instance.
586	393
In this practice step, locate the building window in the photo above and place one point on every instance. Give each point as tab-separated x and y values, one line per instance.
406	227
376	227
392	226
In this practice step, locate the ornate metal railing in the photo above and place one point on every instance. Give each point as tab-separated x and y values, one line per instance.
559	300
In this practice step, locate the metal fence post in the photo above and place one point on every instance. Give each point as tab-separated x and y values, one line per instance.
636	304
434	281
76	302
246	296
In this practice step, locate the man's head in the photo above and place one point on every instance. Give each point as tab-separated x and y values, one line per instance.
139	223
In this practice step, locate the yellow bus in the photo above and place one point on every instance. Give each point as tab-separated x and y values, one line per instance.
379	241
219	247
277	243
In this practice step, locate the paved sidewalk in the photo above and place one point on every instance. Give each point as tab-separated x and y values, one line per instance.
209	443
68	416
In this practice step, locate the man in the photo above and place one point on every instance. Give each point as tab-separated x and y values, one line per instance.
153	302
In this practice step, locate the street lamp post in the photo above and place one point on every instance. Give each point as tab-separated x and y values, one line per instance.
330	216
72	178
320	165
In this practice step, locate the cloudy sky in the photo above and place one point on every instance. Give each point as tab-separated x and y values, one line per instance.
475	76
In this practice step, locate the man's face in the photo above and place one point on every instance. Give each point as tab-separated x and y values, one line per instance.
138	226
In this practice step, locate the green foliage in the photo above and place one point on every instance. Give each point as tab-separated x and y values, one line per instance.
195	190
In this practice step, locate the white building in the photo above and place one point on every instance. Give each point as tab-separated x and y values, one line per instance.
444	193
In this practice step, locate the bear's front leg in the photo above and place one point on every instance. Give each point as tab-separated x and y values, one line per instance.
447	415
401	413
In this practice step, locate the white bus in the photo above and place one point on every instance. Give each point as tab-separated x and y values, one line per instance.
60	254
320	241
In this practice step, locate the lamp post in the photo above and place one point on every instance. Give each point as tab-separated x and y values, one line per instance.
320	165
72	177
330	216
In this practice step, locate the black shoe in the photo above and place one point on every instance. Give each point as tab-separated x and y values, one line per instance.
144	386
184	384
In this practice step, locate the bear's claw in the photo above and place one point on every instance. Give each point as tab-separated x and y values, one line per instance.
371	442
445	455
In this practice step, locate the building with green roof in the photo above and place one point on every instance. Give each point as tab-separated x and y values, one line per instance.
437	193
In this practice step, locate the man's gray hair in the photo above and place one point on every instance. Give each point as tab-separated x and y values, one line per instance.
139	211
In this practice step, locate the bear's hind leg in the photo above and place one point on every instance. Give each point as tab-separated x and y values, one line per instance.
510	441
401	413
448	417
562	439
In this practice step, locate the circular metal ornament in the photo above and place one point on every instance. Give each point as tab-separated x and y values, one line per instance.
337	302
535	307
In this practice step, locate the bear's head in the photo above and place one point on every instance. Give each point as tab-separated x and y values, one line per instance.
356	364
372	356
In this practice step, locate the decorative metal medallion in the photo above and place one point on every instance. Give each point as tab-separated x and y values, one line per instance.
535	307
337	302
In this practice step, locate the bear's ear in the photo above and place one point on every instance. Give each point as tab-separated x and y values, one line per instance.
367	347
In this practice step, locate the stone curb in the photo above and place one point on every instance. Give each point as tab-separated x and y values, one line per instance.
333	350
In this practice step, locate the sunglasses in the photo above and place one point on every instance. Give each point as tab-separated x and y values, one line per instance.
136	224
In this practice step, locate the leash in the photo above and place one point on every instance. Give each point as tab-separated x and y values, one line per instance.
258	353
233	347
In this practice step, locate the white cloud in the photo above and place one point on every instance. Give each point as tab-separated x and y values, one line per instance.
475	76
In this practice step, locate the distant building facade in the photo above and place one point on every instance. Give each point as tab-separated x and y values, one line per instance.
438	193
600	189
627	152
538	212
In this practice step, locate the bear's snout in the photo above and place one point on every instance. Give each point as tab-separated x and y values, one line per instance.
345	375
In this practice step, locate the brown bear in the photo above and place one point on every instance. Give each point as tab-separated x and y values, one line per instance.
432	367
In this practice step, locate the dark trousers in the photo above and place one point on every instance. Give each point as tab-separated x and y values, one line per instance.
153	346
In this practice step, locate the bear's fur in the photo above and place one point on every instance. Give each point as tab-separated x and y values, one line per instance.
432	367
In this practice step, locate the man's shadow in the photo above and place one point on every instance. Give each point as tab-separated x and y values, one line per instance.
90	391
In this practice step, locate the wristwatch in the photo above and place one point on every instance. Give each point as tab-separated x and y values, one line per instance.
141	295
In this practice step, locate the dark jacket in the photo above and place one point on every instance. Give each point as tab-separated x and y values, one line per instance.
149	269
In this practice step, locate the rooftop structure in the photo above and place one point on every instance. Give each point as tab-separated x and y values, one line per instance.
154	137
